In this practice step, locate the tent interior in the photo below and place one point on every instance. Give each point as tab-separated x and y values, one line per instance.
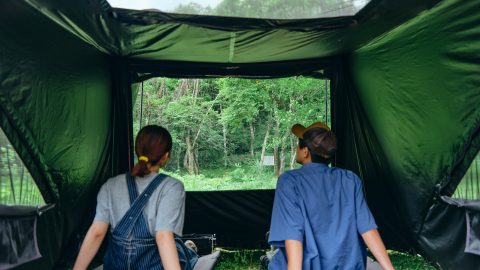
405	82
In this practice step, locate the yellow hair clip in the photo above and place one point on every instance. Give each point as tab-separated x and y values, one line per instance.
144	158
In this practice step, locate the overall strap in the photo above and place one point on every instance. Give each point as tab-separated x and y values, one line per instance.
126	224
132	187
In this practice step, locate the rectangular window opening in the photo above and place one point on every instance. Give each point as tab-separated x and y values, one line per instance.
17	186
469	186
231	133
285	9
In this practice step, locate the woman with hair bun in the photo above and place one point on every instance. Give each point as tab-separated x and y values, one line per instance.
144	211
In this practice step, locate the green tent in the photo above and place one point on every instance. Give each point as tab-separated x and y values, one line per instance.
405	105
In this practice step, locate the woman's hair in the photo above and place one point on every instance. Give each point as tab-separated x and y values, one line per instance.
321	144
152	142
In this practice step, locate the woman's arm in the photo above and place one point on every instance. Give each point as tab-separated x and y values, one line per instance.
294	250
375	244
168	250
91	244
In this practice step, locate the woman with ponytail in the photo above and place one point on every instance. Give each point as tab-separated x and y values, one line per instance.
144	211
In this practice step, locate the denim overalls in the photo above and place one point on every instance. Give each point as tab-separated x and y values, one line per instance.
131	244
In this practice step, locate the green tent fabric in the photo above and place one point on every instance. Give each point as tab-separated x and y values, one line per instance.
405	83
57	106
411	99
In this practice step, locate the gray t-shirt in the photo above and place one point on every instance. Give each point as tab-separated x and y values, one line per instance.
165	209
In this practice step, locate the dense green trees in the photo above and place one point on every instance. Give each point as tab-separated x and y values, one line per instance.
222	122
278	9
16	184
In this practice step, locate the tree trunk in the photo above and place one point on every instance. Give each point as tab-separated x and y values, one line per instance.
31	189
162	89
21	183
33	196
265	140
179	152
180	89
194	144
196	88
196	166
190	166
276	165
276	156
252	139
225	151
148	109
10	174
185	157
293	151
282	158
282	150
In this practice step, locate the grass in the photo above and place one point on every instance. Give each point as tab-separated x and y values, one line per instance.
250	259
405	261
240	177
239	259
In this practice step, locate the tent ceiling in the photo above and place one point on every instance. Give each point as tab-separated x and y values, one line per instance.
283	9
224	43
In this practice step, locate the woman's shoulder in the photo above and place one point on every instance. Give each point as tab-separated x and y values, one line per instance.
114	180
173	182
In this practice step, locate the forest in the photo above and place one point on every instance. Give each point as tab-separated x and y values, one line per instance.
16	185
230	128
279	9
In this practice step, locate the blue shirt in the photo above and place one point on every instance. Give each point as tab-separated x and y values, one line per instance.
325	209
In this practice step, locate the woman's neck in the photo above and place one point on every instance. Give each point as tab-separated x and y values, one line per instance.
154	168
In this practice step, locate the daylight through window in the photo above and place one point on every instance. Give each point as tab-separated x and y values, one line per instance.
231	133
469	187
268	9
16	184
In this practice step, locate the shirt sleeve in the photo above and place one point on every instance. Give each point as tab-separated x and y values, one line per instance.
365	220
103	211
287	218
171	210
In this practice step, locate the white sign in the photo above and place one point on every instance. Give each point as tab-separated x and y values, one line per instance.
268	161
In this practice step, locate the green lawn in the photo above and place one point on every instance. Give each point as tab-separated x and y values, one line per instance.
246	177
250	260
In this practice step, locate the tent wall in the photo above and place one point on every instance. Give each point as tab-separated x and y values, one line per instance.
405	106
240	219
410	100
359	151
55	108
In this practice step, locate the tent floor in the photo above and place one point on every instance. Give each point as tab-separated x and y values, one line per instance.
204	262
208	261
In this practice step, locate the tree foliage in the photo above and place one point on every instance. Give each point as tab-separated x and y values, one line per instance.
16	185
213	122
279	9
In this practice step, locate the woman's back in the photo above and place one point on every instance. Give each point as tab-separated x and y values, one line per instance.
164	210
